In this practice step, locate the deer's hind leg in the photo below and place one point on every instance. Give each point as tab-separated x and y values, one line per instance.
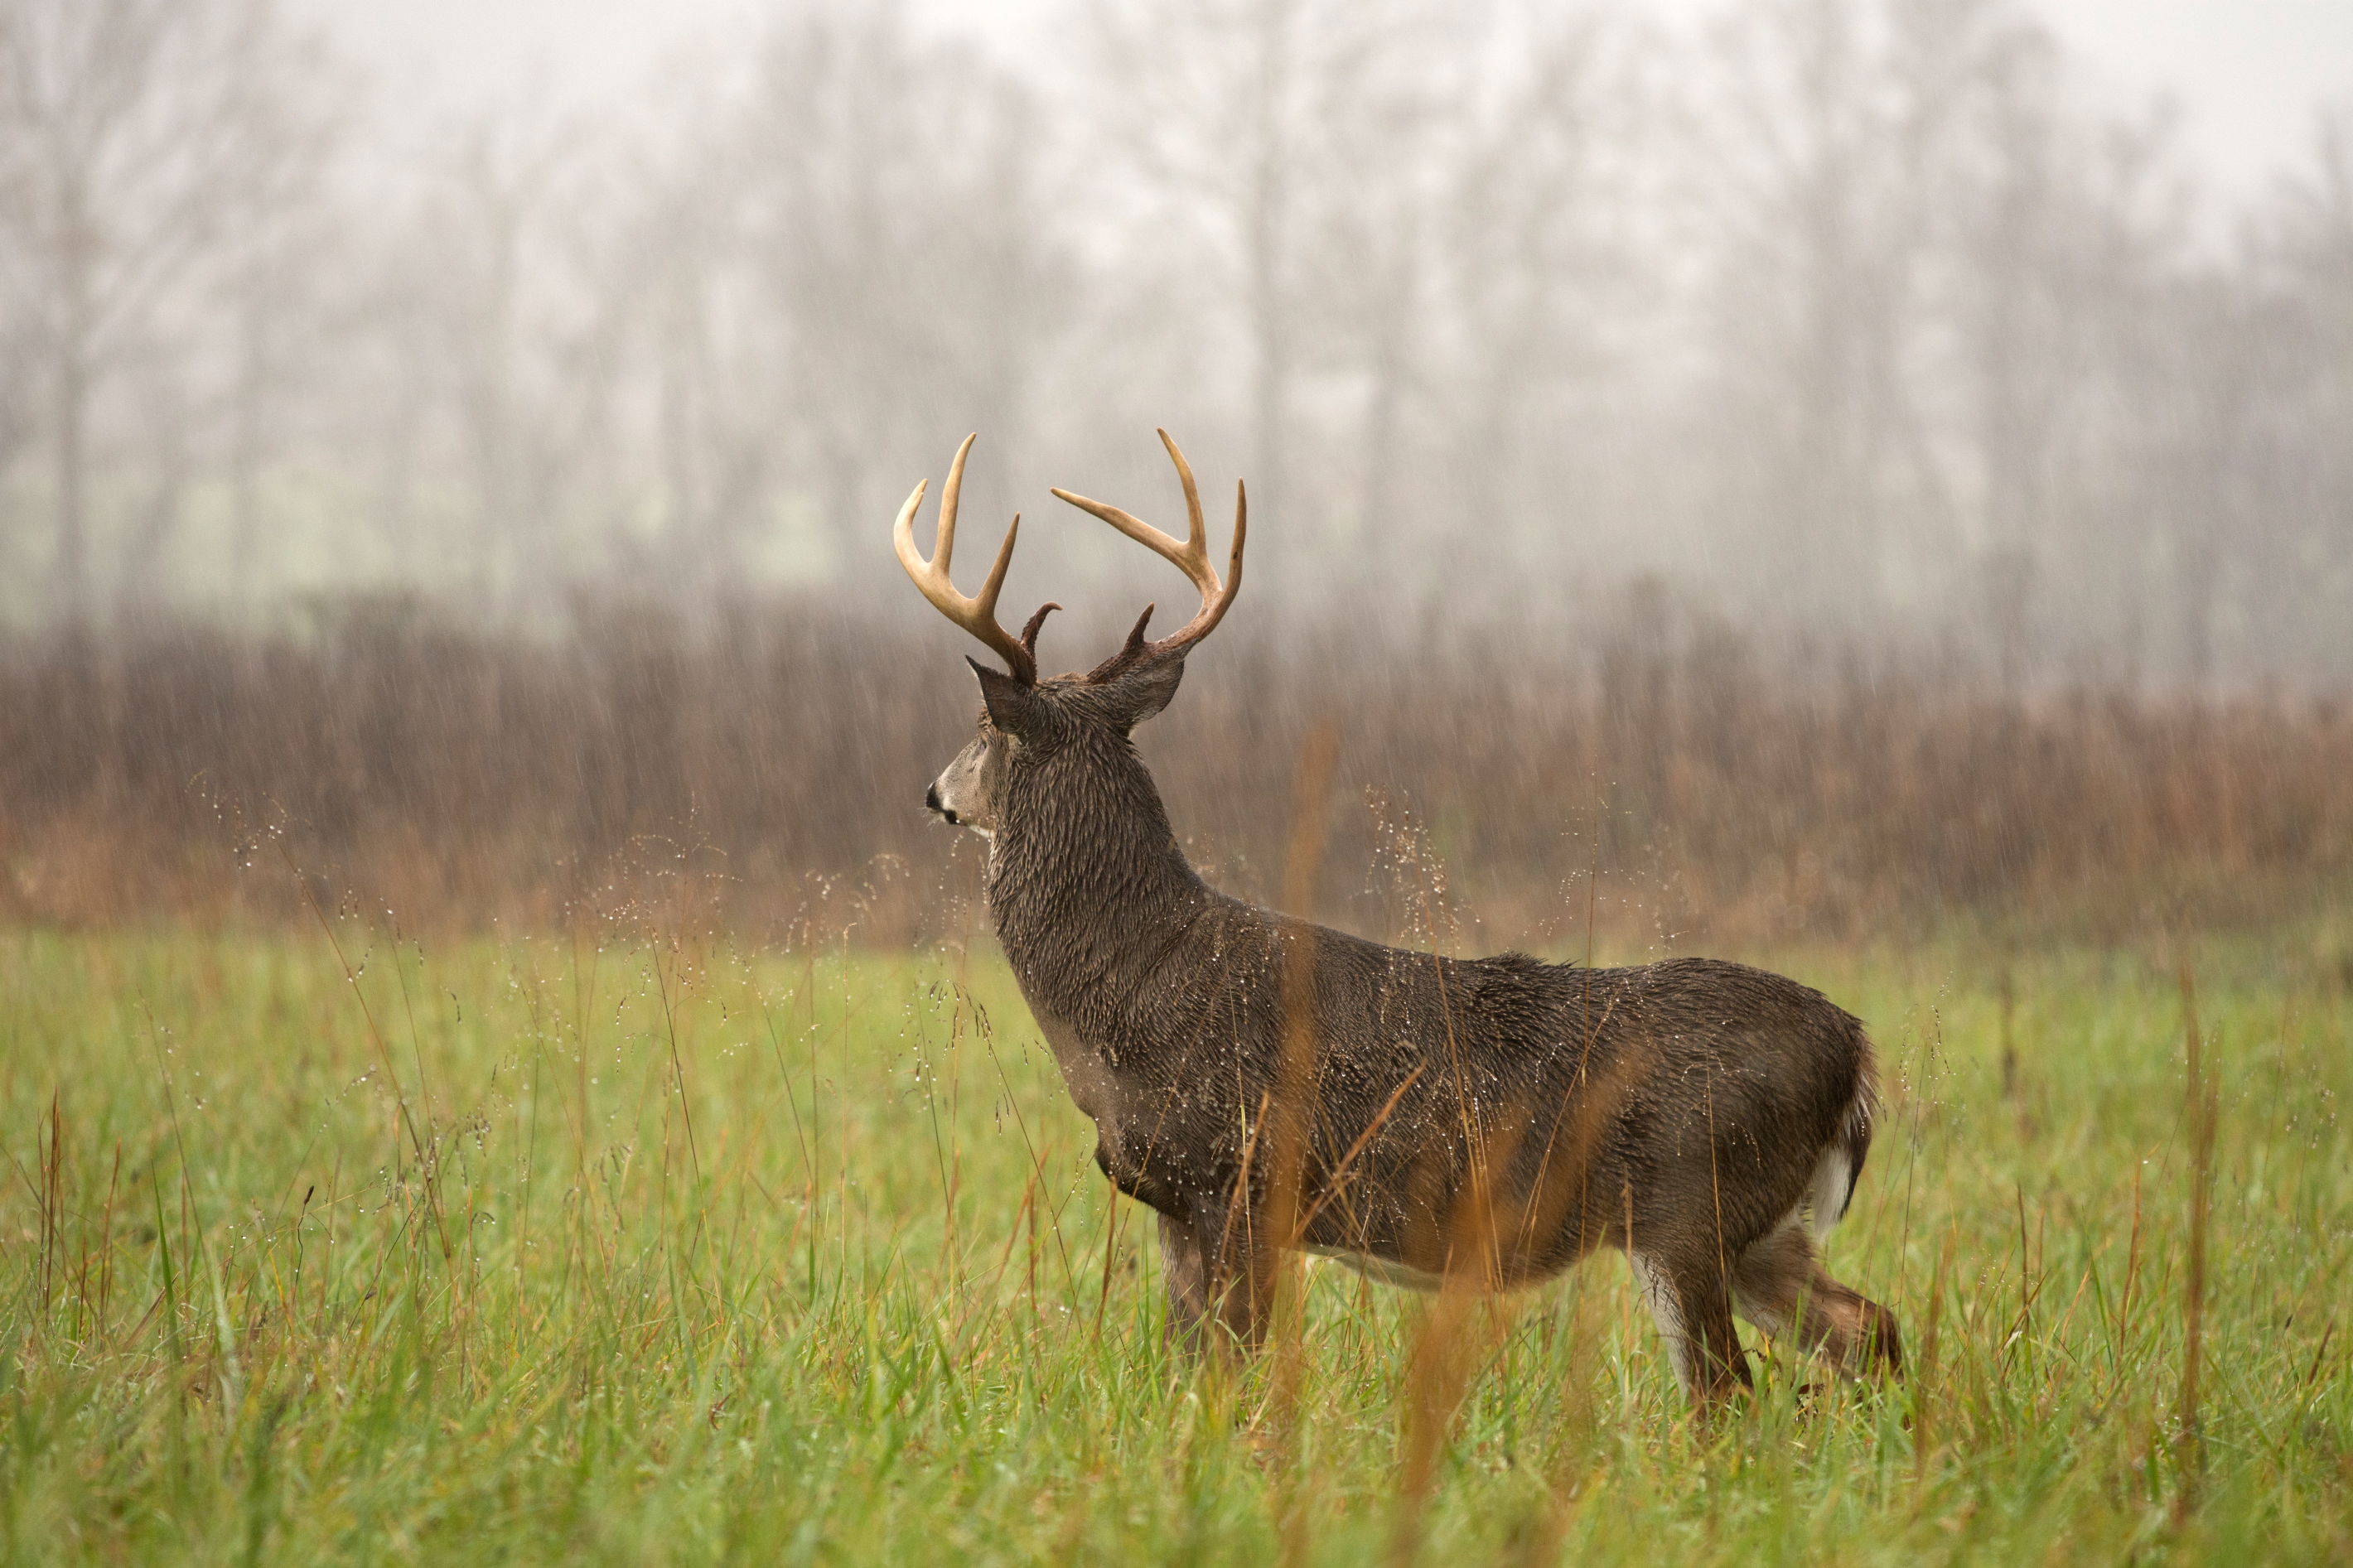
1783	1289
1690	1300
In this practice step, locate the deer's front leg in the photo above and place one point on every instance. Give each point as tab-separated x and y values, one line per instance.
1241	1271
1185	1264
1214	1273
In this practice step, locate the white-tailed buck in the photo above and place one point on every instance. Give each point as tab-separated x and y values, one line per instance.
1261	1082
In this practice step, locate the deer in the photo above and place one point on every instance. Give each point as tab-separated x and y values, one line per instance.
1266	1085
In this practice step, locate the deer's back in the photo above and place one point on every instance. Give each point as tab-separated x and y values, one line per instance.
1594	1081
1579	1086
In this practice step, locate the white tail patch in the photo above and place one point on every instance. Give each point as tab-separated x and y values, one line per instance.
1826	1194
1834	1173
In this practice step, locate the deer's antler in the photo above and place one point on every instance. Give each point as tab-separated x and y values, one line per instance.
977	616
1192	557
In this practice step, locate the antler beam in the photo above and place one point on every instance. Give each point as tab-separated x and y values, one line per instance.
1192	557
977	616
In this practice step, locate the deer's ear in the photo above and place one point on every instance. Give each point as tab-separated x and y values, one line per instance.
1138	693
1011	704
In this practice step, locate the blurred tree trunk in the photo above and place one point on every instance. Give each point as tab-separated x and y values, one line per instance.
1824	144
137	139
69	380
1266	205
902	261
143	586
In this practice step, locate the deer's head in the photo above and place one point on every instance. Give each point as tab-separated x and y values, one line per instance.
1030	727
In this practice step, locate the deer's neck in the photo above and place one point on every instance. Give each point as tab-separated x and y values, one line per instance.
1086	883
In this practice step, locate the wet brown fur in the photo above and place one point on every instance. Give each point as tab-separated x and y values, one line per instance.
1677	1110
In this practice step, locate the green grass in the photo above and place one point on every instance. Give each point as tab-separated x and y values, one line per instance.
675	1252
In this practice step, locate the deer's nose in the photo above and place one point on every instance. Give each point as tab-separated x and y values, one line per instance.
932	799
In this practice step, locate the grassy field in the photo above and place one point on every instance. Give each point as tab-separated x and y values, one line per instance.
665	1251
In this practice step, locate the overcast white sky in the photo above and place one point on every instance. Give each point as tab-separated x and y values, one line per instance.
2248	74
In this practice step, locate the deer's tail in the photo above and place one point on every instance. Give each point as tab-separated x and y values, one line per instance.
1839	1165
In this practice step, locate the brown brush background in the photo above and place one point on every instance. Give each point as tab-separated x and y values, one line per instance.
773	758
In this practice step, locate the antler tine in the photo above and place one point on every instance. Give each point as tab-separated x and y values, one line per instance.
1192	557
1197	533
977	616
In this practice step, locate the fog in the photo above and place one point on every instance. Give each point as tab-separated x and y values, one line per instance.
1874	324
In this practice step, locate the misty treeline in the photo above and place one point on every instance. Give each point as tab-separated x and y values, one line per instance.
766	772
1852	319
